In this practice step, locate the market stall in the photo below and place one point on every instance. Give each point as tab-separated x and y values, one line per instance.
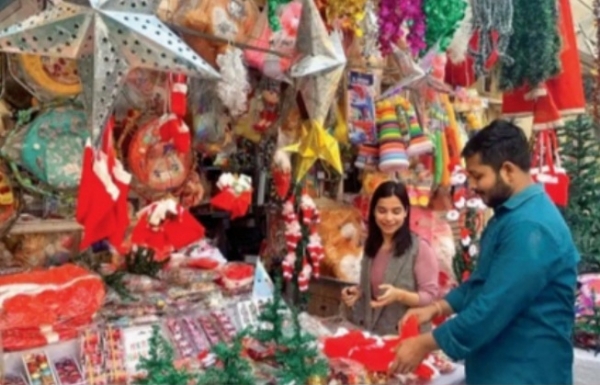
150	149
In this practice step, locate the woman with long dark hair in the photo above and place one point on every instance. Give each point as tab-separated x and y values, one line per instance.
398	271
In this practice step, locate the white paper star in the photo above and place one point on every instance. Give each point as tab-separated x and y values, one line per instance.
110	37
321	67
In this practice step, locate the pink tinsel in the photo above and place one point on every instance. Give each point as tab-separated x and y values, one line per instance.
392	16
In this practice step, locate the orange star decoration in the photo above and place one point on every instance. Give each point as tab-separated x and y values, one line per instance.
315	143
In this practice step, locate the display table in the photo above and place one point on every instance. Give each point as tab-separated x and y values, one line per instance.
586	368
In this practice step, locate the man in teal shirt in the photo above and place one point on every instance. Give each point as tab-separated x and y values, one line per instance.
515	314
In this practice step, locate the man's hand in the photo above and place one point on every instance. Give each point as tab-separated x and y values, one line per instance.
411	352
423	314
390	294
350	295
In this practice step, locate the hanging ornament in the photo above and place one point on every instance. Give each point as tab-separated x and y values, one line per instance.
370	28
459	46
321	66
394	16
442	18
350	12
234	86
110	37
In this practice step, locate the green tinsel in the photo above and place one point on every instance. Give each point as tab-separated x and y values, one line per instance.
442	18
231	369
534	46
299	358
272	8
158	366
141	261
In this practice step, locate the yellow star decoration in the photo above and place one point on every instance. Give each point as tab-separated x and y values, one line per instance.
315	143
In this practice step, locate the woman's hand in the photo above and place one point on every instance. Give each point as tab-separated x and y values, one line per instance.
350	295
390	294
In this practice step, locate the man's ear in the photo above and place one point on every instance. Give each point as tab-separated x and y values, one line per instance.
508	171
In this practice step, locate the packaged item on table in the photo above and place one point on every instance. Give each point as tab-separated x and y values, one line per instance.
197	335
247	313
37	367
13	379
114	356
348	372
224	324
68	372
92	357
136	344
209	329
237	276
180	338
141	283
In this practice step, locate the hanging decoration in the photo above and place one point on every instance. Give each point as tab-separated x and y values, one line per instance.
492	27
304	247
534	40
370	27
233	87
315	143
442	18
321	65
394	15
235	194
351	12
459	46
273	10
110	38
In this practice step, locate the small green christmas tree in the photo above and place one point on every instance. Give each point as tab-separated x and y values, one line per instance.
231	367
298	357
141	261
271	319
579	150
158	366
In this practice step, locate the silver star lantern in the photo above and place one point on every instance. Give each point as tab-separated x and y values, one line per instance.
321	66
415	76
109	37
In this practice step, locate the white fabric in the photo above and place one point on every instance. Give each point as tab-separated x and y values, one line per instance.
586	368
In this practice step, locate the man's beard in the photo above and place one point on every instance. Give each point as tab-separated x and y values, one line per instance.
499	194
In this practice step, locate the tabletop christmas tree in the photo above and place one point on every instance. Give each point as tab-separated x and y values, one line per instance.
159	366
231	367
579	149
271	319
298	357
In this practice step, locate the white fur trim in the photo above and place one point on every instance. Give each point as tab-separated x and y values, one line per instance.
536	93
180	87
183	128
120	173
348	230
101	170
547	179
51	337
165	118
549	125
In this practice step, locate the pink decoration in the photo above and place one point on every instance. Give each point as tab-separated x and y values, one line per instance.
393	14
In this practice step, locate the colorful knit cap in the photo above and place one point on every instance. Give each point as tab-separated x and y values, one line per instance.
419	142
368	156
392	151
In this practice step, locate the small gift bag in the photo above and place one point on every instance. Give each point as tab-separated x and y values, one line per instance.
547	169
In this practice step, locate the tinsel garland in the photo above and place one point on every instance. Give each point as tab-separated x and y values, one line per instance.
596	97
442	18
272	13
534	46
491	17
458	48
351	11
370	28
393	15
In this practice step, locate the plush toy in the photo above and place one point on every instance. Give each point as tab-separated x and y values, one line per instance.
227	20
342	234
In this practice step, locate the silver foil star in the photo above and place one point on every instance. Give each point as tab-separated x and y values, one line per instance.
321	66
109	37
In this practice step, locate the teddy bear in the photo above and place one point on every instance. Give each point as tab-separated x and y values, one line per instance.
342	232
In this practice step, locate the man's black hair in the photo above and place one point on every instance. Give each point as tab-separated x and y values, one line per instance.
499	142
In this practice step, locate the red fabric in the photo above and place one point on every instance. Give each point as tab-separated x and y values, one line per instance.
84	195
172	234
178	99
174	130
203	263
57	300
121	216
566	88
237	205
545	114
556	181
282	181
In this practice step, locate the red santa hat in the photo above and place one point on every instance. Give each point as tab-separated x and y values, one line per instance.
545	113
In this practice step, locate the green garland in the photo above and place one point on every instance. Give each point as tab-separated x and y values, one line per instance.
272	9
534	46
442	18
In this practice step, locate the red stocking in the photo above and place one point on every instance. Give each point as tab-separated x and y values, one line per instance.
122	180
85	193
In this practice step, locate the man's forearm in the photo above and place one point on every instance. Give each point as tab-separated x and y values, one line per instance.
442	308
